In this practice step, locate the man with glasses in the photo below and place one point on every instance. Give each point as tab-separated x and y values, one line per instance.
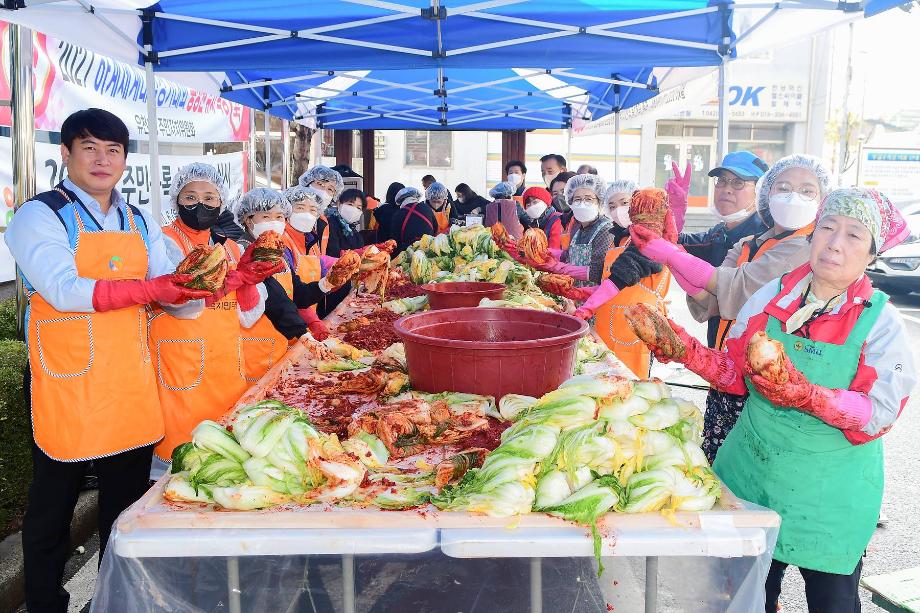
734	203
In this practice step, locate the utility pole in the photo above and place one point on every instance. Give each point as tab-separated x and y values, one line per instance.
845	119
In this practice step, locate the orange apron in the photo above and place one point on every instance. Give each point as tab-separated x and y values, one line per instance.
308	264
610	322
443	218
197	376
567	233
262	344
747	255
93	389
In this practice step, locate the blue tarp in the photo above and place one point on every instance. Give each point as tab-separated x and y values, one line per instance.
284	35
486	99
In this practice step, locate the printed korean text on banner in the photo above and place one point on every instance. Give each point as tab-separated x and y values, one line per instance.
69	78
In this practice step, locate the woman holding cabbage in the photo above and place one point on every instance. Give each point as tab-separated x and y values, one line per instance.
827	364
195	380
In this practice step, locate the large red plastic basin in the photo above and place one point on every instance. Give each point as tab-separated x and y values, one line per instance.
490	351
457	294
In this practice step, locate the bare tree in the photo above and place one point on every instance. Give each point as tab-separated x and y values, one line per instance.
300	150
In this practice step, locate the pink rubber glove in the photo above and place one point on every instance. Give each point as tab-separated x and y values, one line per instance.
556	253
603	293
109	295
576	272
688	287
694	270
840	408
678	188
326	262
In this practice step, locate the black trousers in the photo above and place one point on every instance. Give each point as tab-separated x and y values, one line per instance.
123	478
825	592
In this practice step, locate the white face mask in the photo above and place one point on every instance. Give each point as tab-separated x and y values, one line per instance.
264	226
350	213
549	180
792	211
731	217
585	213
515	179
303	222
324	197
535	210
621	216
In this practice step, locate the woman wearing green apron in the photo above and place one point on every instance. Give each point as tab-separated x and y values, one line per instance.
810	448
584	258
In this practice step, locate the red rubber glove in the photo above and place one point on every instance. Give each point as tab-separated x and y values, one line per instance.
317	328
714	366
109	295
842	409
678	188
694	270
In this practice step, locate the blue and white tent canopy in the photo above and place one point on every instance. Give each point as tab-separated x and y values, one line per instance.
445	98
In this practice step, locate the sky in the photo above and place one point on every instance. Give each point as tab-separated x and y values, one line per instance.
885	59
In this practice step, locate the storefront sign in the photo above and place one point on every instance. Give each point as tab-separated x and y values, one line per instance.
896	172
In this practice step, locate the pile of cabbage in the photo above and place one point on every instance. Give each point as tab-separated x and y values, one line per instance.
466	254
598	444
269	454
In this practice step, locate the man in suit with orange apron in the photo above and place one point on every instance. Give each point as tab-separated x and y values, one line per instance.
91	264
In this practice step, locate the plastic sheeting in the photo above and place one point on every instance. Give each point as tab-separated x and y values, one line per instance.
720	566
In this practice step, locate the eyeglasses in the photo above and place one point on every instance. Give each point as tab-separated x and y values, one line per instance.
191	200
585	200
735	183
809	192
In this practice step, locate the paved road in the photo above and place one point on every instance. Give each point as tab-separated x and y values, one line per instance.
895	546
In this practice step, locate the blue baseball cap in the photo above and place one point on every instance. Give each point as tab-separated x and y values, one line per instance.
743	164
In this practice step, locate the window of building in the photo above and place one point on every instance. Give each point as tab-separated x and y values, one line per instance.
766	141
430	149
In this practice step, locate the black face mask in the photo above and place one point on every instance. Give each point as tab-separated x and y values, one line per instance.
200	216
560	204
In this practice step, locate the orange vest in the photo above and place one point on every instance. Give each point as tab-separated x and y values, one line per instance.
567	233
308	264
197	376
443	219
747	255
93	390
610	323
262	344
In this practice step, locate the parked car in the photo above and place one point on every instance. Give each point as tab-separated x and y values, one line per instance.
897	271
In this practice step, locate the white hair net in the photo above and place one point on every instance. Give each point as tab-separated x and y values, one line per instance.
620	185
196	171
325	174
408	195
299	193
796	160
258	200
437	191
592	182
502	191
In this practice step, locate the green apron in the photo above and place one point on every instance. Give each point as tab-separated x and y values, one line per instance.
827	490
580	255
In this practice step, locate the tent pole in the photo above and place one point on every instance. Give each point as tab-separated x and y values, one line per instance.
286	153
22	101
153	149
616	146
317	147
722	130
267	126
251	178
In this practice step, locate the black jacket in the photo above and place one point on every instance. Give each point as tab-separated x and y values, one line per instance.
282	311
418	225
461	209
226	227
713	245
338	242
383	215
